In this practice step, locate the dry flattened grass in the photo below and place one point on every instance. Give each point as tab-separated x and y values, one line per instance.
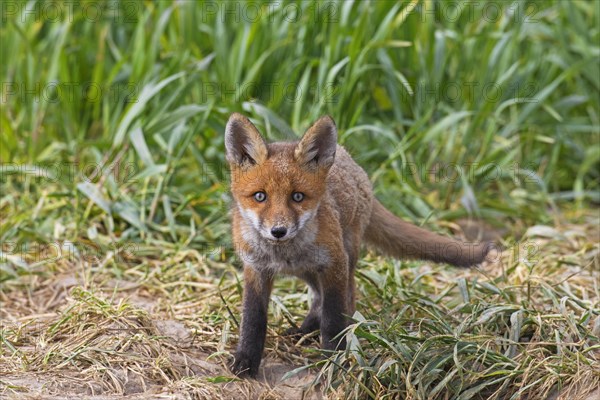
67	335
524	325
108	347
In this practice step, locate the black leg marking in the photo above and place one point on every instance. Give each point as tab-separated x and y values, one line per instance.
333	320
254	323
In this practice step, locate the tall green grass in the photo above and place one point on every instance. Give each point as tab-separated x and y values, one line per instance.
504	107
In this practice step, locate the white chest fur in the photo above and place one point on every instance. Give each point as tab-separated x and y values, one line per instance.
293	257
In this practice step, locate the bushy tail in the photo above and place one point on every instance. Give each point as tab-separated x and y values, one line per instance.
400	239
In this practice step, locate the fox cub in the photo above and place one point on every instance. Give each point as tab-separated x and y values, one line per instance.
303	208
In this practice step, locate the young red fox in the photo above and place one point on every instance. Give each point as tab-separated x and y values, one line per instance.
303	208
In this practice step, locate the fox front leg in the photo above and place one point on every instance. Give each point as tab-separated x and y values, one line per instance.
334	289
257	289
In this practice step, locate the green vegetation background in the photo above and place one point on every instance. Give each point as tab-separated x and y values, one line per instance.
464	109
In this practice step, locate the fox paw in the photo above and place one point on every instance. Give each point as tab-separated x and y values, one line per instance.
298	333
293	332
245	366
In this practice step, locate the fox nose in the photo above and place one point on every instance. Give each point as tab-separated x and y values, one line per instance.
278	231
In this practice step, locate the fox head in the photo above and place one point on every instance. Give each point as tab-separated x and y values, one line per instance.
277	187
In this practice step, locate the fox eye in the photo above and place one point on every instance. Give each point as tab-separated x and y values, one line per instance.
297	197
260	196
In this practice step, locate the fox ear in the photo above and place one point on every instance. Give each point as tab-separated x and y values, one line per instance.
318	145
243	142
